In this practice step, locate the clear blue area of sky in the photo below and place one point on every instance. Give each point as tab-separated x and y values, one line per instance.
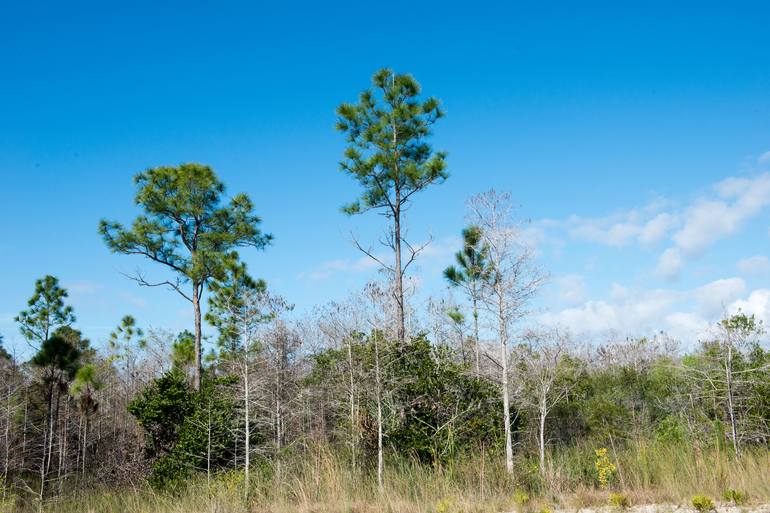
584	108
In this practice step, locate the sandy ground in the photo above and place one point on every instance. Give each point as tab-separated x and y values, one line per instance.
669	508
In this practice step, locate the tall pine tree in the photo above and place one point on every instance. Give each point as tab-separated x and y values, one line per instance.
186	228
388	154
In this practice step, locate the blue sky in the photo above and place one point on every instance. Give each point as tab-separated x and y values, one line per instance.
634	138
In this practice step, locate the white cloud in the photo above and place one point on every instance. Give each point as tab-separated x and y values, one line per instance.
758	303
764	158
640	312
708	221
615	234
656	229
690	229
755	265
669	264
713	298
571	289
687	315
686	325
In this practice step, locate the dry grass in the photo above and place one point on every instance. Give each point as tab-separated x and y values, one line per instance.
321	482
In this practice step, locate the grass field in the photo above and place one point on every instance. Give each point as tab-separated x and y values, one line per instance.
321	481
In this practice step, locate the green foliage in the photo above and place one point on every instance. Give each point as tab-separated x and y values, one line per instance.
46	311
387	149
187	228
670	430
186	430
184	225
126	335
448	410
183	351
227	302
84	389
702	503
619	500
444	506
742	325
161	409
472	261
434	409
86	376
737	497
76	339
59	357
8	497
520	497
4	355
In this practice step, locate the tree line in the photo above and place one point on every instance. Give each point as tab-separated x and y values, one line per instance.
376	375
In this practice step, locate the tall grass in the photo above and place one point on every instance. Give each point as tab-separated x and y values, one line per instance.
321	480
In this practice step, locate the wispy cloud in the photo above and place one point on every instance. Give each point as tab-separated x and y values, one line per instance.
133	300
83	287
433	255
682	232
327	269
757	265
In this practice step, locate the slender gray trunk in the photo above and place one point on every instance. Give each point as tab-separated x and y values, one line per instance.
503	333
378	380
476	335
247	424
730	403
543	414
353	439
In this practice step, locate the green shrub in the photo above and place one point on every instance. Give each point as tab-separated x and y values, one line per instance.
186	429
703	503
619	500
520	497
737	497
444	506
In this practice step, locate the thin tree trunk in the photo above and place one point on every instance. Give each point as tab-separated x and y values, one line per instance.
63	445
400	322
80	445
24	431
729	376
7	438
247	424
506	399
543	413
476	335
397	241
208	451
379	413
352	404
197	309
47	434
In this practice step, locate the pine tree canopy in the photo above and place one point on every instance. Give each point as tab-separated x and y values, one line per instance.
387	151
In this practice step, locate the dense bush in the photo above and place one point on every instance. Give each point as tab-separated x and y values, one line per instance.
187	430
